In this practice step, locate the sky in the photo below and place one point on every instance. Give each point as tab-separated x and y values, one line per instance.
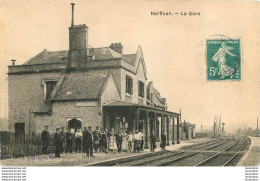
173	46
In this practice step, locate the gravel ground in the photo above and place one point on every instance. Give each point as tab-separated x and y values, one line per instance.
65	160
191	161
81	159
252	156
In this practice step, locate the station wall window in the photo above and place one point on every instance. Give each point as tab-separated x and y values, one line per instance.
48	88
129	85
148	93
141	89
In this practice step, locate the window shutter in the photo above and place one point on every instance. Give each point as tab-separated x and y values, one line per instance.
131	86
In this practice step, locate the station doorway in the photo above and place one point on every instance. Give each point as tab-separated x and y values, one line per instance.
74	124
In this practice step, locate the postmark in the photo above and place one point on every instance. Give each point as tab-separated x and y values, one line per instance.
223	58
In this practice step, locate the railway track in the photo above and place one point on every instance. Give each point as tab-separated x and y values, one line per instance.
220	152
226	156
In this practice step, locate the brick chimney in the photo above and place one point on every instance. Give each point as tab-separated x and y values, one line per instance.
78	42
118	47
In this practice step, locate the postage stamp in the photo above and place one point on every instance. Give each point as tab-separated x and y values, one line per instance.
223	59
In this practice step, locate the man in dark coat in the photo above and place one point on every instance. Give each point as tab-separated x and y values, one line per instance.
119	141
57	143
69	141
96	135
84	139
89	142
63	139
45	136
153	141
163	140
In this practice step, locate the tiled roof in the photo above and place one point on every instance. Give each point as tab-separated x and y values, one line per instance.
80	87
47	57
126	104
105	53
129	58
120	103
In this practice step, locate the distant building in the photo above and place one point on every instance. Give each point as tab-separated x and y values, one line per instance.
85	86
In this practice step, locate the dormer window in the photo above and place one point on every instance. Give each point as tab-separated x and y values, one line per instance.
48	88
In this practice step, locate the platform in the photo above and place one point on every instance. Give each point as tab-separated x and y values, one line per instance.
80	159
252	156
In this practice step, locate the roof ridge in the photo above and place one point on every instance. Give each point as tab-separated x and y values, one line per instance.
129	54
49	51
94	75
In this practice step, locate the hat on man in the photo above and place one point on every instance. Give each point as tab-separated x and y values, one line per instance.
89	127
57	129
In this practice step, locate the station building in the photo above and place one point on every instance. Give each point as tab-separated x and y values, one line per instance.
86	86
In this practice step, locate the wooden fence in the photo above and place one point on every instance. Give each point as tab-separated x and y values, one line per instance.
13	147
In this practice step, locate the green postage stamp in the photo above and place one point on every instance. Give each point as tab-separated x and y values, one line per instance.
223	59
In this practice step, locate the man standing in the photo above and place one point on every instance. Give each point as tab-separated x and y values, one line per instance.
84	139
96	139
78	137
63	139
163	141
137	141
89	142
119	141
153	141
45	136
142	140
57	142
68	142
103	140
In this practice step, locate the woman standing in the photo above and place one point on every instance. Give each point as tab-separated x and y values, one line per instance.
130	138
124	141
112	141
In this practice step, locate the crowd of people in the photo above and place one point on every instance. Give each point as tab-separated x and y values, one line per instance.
99	140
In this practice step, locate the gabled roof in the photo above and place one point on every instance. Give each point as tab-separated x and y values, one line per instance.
129	58
83	87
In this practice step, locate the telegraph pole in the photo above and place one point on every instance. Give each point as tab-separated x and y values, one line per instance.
257	127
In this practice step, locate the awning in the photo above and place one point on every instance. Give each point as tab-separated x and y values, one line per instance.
137	106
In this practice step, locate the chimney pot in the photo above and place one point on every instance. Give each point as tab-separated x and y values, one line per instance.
117	47
72	19
13	61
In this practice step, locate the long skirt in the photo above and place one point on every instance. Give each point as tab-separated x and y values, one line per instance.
112	143
125	145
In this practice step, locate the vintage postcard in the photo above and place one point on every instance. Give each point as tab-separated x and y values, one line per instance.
129	83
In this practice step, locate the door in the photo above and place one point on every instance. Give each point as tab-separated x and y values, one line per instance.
19	133
74	124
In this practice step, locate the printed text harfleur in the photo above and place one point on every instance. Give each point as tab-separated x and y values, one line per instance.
170	13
